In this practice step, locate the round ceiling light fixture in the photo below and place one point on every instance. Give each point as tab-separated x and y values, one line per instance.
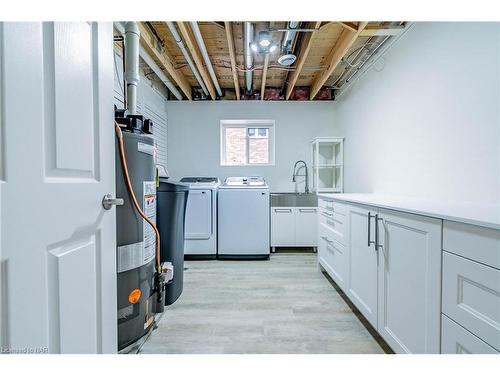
264	43
287	60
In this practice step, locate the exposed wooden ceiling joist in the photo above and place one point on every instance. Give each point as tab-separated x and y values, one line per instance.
344	42
165	60
195	54
222	25
232	56
264	76
301	59
381	31
349	26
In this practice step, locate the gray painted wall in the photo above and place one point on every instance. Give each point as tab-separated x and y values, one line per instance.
426	122
194	137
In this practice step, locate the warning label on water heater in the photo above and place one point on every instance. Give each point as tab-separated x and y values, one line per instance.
149	208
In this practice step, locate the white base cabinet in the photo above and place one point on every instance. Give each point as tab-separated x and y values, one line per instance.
471	280
282	226
294	227
390	268
333	257
306	226
427	285
409	281
457	340
362	262
332	250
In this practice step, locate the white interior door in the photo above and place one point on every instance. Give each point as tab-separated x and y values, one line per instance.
198	215
57	242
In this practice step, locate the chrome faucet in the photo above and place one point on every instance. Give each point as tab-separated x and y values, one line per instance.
306	175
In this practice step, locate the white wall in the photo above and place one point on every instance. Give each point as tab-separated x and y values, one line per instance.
193	142
427	124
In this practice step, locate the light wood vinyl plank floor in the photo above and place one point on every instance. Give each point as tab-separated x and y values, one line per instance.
284	305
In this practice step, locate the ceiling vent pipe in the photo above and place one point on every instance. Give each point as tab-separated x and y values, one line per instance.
287	57
132	35
287	44
203	50
247	39
186	55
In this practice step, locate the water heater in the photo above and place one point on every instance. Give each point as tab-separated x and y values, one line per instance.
135	237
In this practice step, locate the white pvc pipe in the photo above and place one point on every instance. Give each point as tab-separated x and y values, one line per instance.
203	50
186	55
119	27
157	70
247	39
132	35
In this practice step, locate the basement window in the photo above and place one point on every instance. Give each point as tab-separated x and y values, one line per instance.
247	142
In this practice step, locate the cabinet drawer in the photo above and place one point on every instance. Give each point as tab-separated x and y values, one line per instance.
340	208
335	224
334	257
325	204
455	339
473	242
471	297
332	206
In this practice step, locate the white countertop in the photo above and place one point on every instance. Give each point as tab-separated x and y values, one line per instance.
485	216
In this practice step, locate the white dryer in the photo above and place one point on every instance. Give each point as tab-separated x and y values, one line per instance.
243	219
200	237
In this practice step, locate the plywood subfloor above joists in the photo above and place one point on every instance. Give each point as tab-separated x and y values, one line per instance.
342	43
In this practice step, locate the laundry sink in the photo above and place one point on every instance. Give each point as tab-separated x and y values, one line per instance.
294	200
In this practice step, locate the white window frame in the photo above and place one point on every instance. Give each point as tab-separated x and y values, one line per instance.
246	124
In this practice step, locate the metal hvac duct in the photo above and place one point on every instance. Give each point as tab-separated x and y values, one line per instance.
204	53
132	64
286	46
247	39
186	55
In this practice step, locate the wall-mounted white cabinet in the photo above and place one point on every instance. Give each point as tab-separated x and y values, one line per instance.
328	164
294	227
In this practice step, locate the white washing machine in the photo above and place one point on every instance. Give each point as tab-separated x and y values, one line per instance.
243	219
200	236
